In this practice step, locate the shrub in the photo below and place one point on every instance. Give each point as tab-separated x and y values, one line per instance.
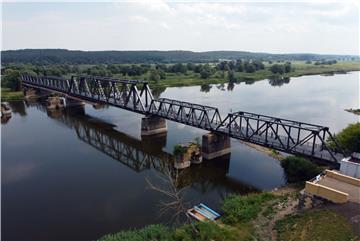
152	232
298	169
243	208
348	138
205	231
11	79
179	150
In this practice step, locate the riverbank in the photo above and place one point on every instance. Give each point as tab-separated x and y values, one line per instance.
354	111
300	69
268	151
262	216
8	95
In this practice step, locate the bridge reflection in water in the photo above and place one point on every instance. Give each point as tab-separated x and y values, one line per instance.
147	153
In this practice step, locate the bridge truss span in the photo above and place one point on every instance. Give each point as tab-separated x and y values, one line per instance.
282	134
285	135
120	93
201	116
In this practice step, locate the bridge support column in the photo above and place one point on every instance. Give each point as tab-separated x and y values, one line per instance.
215	145
30	94
55	103
151	125
74	103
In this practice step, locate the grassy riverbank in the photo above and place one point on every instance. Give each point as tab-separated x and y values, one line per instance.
8	95
161	76
354	111
300	69
262	216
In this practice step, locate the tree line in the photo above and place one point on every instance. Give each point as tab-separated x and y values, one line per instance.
152	72
71	57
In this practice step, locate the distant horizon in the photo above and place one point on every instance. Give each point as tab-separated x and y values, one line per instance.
179	50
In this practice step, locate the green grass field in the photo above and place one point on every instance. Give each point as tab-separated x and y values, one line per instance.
315	225
300	69
7	95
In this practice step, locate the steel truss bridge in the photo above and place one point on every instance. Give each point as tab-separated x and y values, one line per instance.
293	137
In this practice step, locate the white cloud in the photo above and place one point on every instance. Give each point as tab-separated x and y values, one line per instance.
138	19
265	27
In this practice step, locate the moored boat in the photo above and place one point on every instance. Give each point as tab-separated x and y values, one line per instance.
201	212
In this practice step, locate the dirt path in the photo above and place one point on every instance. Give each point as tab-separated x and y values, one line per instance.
276	209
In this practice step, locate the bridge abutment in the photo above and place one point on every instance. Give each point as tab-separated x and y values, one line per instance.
215	145
152	125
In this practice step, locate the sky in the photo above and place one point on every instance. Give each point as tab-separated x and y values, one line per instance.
273	27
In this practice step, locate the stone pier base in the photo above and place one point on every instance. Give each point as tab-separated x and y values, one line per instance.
30	94
55	103
215	145
151	125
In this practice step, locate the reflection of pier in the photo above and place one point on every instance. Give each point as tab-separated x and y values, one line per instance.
136	154
145	154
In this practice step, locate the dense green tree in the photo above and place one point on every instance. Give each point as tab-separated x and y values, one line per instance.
249	67
190	66
277	69
348	138
287	67
298	169
162	67
231	76
154	75
98	70
239	66
223	66
11	79
206	71
178	68
258	64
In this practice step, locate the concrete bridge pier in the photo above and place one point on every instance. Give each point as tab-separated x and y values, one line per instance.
55	103
30	93
215	145
151	125
74	103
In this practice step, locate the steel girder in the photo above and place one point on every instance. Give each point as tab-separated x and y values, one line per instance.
282	134
120	93
205	117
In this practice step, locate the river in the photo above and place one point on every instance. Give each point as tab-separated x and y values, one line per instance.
57	184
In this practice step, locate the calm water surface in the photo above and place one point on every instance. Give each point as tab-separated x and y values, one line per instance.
60	184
